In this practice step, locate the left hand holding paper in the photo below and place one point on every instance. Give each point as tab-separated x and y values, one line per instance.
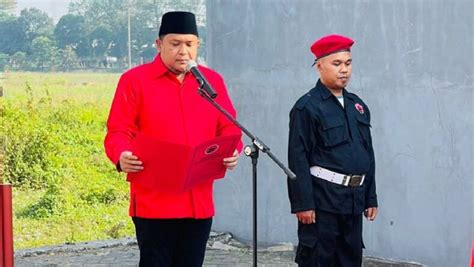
231	162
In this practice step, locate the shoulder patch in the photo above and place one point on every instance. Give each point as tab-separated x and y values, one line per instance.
301	103
353	95
356	98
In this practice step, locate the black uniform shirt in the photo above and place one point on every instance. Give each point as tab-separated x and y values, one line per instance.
324	133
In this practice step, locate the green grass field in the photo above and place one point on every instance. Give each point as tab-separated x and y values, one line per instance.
85	87
65	189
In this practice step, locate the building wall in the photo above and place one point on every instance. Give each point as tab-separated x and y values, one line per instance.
413	66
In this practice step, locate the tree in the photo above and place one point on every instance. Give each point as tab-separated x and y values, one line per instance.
104	27
15	37
44	53
34	23
69	31
18	60
68	58
3	61
112	28
101	40
120	40
145	20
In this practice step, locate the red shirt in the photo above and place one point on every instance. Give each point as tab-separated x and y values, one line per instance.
150	99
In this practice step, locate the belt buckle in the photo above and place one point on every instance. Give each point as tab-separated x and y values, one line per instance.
355	180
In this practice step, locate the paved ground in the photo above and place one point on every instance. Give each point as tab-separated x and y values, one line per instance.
128	256
222	250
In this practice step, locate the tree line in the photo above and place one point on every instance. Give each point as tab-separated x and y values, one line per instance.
93	35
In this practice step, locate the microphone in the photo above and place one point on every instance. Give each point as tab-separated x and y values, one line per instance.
203	83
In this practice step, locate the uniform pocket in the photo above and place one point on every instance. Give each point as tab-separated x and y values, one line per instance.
364	129
307	246
334	131
306	255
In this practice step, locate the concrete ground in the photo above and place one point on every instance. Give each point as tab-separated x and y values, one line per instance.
222	250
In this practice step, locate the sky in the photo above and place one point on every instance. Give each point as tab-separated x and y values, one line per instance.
55	8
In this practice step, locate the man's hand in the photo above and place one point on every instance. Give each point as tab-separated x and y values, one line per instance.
231	162
129	162
306	217
371	213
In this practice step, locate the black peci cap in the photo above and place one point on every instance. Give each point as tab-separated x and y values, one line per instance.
180	22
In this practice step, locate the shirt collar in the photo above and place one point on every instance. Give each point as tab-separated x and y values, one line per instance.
325	93
159	68
348	95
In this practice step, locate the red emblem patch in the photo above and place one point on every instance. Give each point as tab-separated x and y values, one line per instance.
211	149
359	108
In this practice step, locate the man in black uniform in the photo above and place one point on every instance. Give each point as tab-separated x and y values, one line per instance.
330	151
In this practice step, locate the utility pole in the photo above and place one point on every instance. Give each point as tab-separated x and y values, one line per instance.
129	37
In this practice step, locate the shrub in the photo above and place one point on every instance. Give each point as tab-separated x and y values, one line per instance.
51	203
65	190
58	145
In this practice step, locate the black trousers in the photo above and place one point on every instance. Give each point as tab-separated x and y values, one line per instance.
334	240
172	242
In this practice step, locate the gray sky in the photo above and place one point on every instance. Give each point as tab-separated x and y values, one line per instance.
54	8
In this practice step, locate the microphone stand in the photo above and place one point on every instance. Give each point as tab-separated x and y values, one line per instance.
252	152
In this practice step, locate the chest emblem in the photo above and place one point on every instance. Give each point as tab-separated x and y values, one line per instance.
359	108
211	149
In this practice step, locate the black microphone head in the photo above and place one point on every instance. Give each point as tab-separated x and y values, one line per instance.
191	64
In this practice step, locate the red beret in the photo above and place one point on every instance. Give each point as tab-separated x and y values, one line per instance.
331	44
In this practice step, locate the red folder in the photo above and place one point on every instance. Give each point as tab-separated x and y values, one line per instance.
171	167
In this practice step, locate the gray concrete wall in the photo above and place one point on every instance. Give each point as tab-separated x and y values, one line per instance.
413	66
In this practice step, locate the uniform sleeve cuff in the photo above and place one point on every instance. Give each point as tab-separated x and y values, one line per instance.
117	166
371	203
295	209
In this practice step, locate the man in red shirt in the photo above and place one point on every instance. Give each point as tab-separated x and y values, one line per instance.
160	99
